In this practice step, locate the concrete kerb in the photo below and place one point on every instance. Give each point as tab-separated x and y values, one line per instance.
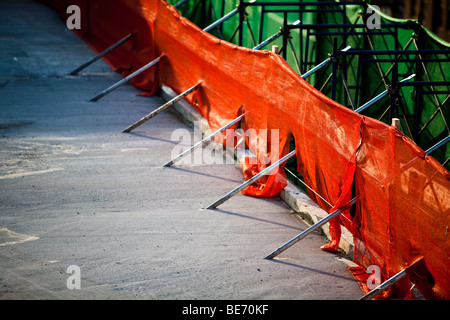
296	199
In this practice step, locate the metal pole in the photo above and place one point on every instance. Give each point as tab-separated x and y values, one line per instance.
221	20
381	95
180	3
124	80
200	143
314	227
321	65
273	37
160	109
241	10
385	285
100	55
335	66
251	180
438	145
286	33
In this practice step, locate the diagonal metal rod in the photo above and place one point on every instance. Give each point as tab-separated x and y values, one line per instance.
180	3
200	143
312	190
438	145
380	96
250	30
252	180
100	55
128	78
273	37
347	90
385	285
432	117
311	229
160	109
321	65
221	20
297	64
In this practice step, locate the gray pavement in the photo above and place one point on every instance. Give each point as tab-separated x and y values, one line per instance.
76	191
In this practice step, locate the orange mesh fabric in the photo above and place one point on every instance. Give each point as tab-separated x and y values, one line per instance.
402	208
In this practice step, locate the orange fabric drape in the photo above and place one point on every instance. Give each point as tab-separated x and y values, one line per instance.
402	209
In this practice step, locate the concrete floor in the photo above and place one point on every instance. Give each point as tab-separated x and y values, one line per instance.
76	191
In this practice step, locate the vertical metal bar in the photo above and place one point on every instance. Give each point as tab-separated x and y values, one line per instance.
252	180
358	73
393	111
305	65
261	23
385	285
335	67
417	113
124	80
311	229
222	13
200	143
285	36
241	23
160	109
102	54
203	14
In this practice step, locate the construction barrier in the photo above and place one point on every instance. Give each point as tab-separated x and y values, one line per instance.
402	213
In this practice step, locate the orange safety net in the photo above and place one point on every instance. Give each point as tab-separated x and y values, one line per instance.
402	207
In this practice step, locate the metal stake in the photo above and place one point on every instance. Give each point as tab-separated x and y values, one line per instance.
100	55
162	108
200	143
314	227
385	285
124	80
252	180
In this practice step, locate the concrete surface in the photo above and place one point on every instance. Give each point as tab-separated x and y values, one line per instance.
76	191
